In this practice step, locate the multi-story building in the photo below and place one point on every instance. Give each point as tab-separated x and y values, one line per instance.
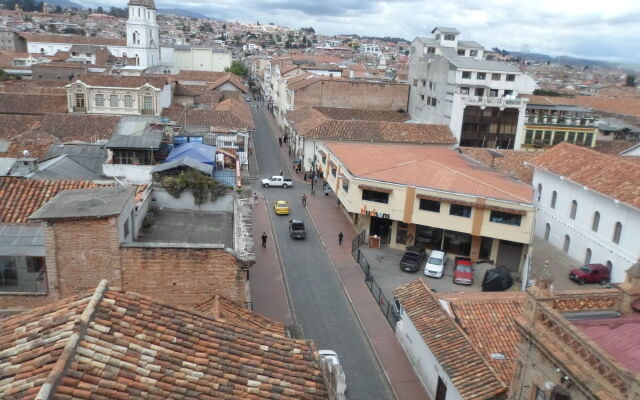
549	124
10	40
478	99
201	59
588	204
459	206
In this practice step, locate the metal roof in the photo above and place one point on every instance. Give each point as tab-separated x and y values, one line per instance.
6	164
62	167
445	30
149	140
473	64
97	203
184	162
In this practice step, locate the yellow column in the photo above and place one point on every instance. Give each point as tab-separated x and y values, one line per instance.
410	196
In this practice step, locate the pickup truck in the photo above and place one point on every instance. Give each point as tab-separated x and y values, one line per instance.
277	181
296	229
412	259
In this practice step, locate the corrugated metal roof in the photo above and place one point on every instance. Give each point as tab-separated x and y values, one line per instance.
473	64
150	140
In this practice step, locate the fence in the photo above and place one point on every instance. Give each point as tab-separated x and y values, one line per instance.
385	305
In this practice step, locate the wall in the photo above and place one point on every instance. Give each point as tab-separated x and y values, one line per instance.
422	360
622	255
350	94
161	198
182	276
133	173
202	59
439	71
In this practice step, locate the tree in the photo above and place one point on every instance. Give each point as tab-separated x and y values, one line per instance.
237	68
630	80
58	10
100	10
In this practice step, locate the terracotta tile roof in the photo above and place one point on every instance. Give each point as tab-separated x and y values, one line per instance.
85	128
382	131
13	125
231	78
21	197
237	108
449	171
365	115
488	321
36	149
308	81
122	81
73	39
227	309
113	345
463	363
209	118
33	87
609	175
14	103
612	104
306	118
199	76
298	78
512	164
614	146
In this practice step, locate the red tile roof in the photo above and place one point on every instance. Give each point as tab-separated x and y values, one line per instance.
122	81
13	125
213	79
464	364
609	175
85	128
364	115
449	170
614	146
208	118
511	164
21	197
616	105
237	108
14	103
227	309
113	345
73	39
382	131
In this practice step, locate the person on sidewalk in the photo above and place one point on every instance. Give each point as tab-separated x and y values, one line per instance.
280	141
264	240
305	176
304	199
280	172
340	237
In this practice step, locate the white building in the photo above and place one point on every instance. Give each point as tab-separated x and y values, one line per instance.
451	84
371	49
201	59
588	204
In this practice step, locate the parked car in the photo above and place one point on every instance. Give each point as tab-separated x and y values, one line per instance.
396	308
247	98
590	273
296	229
412	259
277	181
463	271
281	207
334	361
435	264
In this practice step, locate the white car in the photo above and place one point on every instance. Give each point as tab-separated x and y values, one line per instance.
331	355
336	368
434	267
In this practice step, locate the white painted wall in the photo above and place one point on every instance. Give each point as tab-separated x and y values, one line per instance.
202	59
161	198
603	249
422	360
166	96
133	173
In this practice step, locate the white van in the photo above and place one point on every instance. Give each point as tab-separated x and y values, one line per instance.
434	267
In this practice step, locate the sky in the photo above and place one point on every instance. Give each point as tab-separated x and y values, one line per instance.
596	29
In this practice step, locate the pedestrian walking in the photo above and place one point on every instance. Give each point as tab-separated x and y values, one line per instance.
305	176
340	237
264	240
280	172
304	199
289	151
280	141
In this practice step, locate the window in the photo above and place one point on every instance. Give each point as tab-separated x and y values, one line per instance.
424	83
415	82
401	232
421	97
505	218
147	104
572	137
433	102
574	209
128	100
377	197
609	266
22	274
99	100
449	36
547	232
587	257
437	36
460	211
461	52
429	205
113	100
617	231
496	77
596	221
567	243
528	137
345	185
480	93
430	85
511	77
554	197
547	138
42	51
464	90
473	53
588	141
334	172
493	92
481	76
431	50
126	228
558	137
80	101
508	92
539	191
580	138
466	74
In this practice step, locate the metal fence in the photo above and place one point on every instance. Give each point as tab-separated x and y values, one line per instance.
385	305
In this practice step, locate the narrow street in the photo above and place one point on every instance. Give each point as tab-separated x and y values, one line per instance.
317	300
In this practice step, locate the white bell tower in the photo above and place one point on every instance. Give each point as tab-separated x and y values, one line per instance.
142	33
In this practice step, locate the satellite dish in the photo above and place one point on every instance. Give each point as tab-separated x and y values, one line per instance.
25	153
494	154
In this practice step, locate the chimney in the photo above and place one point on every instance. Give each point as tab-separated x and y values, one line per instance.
24	166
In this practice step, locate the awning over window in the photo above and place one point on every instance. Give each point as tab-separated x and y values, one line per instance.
322	153
332	164
506	210
375	189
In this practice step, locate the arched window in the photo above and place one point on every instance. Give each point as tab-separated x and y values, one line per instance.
596	221
539	191
567	243
547	231
609	266
147	104
617	231
138	12
80	104
587	257
42	51
574	209
554	197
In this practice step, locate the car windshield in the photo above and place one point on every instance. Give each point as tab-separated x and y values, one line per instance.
463	268
297	227
282	204
435	261
412	255
584	268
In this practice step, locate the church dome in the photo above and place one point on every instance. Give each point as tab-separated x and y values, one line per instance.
144	3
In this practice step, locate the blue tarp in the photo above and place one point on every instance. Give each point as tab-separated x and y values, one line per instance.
199	152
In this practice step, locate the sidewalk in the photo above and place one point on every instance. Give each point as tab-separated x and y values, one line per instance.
268	292
284	149
329	221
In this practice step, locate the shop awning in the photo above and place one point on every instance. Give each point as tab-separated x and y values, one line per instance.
375	189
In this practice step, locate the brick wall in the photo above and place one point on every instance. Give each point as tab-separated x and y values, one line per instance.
182	276
20	302
348	94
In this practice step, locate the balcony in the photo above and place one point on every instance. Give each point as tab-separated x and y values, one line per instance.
484	101
79	109
147	111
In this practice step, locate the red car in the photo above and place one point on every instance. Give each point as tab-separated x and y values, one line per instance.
462	271
592	273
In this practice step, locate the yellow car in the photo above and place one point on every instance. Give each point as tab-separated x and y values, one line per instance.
281	207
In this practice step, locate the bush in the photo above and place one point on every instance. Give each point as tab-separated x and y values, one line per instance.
203	187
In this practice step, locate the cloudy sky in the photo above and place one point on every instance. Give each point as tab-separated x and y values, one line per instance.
584	28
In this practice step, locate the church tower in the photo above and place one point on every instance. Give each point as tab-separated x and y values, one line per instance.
143	42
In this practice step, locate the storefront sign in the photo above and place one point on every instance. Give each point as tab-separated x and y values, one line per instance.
373	213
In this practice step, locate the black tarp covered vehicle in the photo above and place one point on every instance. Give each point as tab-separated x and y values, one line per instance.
497	280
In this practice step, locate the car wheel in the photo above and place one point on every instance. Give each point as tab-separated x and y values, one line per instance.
266	185
581	281
284	185
604	281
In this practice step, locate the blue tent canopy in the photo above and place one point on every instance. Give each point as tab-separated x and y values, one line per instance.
199	152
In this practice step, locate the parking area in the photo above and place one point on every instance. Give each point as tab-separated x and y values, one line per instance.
385	269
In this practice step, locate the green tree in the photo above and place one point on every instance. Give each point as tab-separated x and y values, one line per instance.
100	10
237	68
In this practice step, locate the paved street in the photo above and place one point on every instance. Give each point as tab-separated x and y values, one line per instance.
319	305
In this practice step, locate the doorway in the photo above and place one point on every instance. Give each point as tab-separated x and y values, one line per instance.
381	227
441	390
509	255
